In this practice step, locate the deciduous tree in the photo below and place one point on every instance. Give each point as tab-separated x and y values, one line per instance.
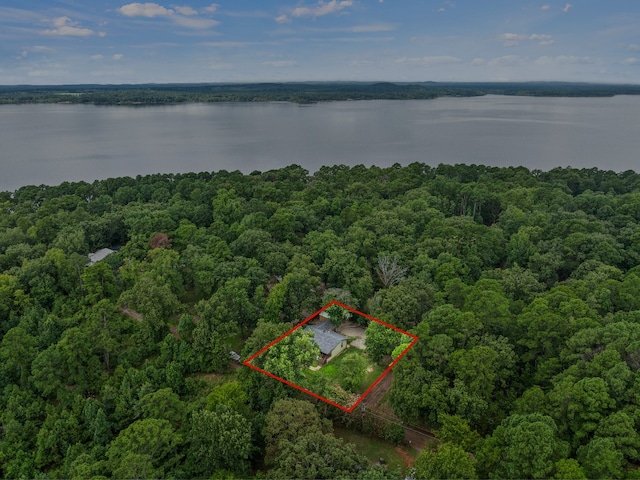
219	440
151	442
380	340
523	446
353	371
290	356
448	461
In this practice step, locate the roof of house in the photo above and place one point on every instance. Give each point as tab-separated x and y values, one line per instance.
99	255
326	340
325	326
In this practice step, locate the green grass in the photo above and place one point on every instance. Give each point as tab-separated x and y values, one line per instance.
373	449
331	372
370	377
328	372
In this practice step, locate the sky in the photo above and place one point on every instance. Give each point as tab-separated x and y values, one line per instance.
114	42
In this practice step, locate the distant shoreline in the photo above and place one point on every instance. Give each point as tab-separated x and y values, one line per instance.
299	93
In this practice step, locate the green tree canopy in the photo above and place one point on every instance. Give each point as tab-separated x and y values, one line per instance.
448	461
219	440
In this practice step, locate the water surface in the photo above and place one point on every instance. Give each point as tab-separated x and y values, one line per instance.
49	144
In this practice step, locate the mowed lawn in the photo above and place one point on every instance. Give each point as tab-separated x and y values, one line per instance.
332	371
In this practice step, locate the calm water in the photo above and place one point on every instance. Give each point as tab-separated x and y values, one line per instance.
53	143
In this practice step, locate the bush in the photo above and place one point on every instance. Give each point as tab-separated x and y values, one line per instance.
394	433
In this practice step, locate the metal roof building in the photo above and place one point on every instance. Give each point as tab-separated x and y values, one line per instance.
101	254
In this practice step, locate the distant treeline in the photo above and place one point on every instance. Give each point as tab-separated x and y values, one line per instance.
155	94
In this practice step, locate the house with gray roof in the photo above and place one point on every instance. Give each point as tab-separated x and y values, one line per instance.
101	254
331	343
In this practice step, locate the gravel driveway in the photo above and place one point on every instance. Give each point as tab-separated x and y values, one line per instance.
351	329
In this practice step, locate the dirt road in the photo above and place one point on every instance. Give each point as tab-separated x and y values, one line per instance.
379	391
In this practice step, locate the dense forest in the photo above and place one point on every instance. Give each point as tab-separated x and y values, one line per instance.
307	92
522	286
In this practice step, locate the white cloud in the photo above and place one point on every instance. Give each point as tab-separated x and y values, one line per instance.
280	63
353	39
148	10
514	39
40	49
63	26
633	47
115	56
507	61
247	14
567	7
543	39
35	49
372	28
478	61
197	23
283	19
187	11
227	44
211	8
545	7
321	8
362	63
447	4
511	39
428	61
631	61
182	16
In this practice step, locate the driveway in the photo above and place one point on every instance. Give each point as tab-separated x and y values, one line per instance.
353	330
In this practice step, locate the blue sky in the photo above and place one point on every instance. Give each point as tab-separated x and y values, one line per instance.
109	41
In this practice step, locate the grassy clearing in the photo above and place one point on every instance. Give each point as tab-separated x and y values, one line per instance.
374	449
370	377
331	372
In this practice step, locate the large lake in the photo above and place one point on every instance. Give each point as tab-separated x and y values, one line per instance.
48	144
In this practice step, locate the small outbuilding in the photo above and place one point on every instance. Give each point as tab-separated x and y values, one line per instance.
101	254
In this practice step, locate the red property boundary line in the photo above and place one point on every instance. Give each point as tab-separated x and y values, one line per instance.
248	361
